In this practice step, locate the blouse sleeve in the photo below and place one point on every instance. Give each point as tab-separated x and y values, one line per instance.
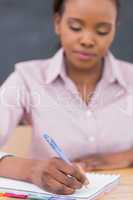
12	105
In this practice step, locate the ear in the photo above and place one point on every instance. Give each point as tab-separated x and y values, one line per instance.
57	23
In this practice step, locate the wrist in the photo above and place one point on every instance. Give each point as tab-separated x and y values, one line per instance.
16	167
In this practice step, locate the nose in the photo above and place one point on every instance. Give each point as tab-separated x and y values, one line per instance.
88	40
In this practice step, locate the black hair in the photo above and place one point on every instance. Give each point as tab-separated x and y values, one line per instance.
59	5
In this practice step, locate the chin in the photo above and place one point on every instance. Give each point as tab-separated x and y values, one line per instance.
84	66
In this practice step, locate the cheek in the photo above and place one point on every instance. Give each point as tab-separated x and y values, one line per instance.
67	37
68	40
105	43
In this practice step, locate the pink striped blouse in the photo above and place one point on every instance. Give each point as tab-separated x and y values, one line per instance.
42	92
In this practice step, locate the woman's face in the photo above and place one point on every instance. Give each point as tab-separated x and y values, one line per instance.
86	30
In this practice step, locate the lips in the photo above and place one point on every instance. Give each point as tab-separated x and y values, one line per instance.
84	55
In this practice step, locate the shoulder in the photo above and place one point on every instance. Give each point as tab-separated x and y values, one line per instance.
126	70
33	70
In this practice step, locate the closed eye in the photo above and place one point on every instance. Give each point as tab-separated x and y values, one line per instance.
74	28
103	33
103	29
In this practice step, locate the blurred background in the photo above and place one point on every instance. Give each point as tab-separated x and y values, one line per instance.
26	32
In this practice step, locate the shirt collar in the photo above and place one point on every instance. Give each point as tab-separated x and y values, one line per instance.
111	73
56	67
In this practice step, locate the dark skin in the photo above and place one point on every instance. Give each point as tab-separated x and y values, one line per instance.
106	161
88	26
51	175
85	25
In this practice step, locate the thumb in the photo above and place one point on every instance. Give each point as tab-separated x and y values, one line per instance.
81	169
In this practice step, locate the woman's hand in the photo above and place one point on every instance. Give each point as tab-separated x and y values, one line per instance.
57	176
52	175
107	161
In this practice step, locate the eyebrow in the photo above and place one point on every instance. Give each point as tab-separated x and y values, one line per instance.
104	24
75	19
82	22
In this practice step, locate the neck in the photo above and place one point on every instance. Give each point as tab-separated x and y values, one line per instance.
82	77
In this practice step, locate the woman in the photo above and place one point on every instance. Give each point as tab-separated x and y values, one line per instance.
78	97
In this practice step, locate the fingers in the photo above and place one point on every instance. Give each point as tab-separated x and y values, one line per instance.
51	185
72	170
83	172
68	181
56	176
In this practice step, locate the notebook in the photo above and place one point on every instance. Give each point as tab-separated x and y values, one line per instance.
99	184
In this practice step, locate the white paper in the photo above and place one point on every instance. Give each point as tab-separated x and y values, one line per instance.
99	183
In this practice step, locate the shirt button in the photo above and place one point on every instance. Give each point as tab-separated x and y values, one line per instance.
91	139
89	113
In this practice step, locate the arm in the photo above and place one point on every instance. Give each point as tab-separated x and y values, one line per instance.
11	108
11	111
51	175
107	161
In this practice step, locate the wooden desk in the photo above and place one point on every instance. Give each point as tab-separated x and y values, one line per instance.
18	143
124	191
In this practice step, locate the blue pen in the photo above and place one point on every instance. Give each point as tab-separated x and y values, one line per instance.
56	148
59	152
